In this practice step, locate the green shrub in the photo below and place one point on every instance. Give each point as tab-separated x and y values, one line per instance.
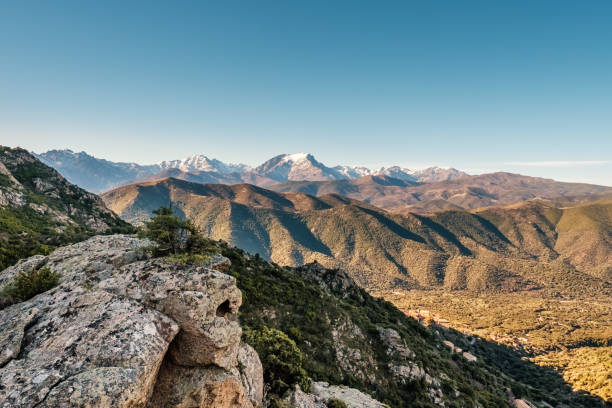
5	181
173	235
281	359
29	284
336	403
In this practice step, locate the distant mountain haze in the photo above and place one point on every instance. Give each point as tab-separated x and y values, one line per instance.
98	175
466	192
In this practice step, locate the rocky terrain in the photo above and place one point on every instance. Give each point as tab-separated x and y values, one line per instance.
124	331
24	181
39	209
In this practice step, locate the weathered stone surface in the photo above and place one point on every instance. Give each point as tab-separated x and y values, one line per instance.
199	387
351	397
394	343
352	360
240	387
100	337
250	369
337	281
300	399
322	392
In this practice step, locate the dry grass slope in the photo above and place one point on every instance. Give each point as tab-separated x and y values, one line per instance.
518	247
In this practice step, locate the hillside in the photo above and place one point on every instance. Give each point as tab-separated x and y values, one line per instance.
348	337
453	249
309	327
571	334
582	234
40	210
466	192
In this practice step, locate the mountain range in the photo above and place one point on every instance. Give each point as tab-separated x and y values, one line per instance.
548	257
468	192
98	175
528	245
337	344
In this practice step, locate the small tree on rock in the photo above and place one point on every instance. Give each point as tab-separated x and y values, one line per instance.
172	234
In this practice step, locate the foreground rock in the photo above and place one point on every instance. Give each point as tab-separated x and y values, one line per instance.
124	331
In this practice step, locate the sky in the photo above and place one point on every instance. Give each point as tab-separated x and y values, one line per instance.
521	86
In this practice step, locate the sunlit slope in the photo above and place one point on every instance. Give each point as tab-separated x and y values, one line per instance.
518	247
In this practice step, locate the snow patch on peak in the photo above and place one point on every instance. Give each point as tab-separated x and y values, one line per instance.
295	157
200	162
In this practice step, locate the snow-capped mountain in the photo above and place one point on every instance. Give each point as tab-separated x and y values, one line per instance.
397	172
99	175
353	172
92	173
200	162
434	174
297	167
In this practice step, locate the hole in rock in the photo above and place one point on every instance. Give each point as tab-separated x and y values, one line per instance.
224	309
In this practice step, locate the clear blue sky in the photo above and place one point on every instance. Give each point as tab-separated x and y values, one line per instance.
524	86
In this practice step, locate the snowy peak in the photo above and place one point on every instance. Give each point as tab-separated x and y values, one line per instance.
202	163
398	172
99	175
296	167
435	174
353	172
296	157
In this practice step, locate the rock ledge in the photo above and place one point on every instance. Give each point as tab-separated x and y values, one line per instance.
121	330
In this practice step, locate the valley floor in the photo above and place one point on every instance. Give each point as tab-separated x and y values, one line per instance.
571	335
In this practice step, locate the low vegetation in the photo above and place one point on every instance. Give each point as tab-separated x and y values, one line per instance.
330	332
43	211
26	285
567	335
585	368
282	360
504	249
26	232
336	403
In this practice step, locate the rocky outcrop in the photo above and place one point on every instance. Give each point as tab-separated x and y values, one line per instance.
121	330
322	392
351	397
330	280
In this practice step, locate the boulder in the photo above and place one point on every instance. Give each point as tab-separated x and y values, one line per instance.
350	396
121	330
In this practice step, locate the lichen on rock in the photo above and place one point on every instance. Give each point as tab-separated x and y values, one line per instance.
119	328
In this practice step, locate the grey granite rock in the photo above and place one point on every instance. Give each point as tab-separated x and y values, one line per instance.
119	328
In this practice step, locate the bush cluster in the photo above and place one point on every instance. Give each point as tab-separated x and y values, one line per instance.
174	236
26	285
281	359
